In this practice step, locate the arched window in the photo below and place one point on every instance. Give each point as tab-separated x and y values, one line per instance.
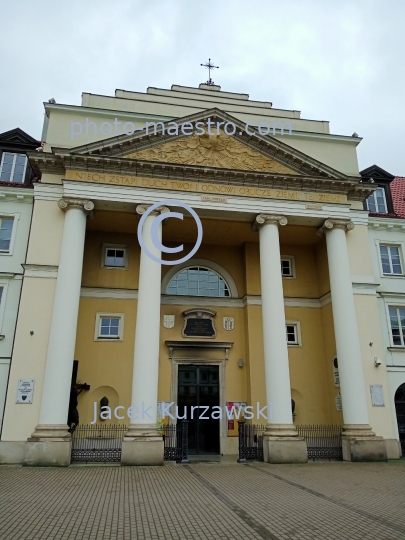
197	281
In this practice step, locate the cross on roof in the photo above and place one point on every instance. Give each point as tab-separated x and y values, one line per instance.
209	66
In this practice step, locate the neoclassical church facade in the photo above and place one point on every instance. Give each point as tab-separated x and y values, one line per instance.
275	310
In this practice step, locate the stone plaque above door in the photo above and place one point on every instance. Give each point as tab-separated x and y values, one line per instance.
199	322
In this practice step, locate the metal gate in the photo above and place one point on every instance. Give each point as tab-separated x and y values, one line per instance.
323	442
175	438
250	441
97	443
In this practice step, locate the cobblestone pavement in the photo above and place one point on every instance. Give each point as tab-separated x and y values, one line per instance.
342	501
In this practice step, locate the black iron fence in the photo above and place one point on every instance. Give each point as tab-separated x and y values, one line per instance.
175	438
97	443
250	441
323	442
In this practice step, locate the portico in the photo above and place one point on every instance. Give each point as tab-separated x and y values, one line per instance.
283	269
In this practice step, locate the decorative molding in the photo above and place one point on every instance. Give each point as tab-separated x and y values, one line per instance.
40	271
18	195
325	299
83	204
246	206
265	219
48	192
173	345
345	224
203	301
98	292
389	224
206	301
7	275
219	150
141	209
391	295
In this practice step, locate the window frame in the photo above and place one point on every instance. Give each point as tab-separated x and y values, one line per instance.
291	260
374	196
4	286
15	217
198	295
402	334
400	246
105	247
391	245
97	329
297	325
15	154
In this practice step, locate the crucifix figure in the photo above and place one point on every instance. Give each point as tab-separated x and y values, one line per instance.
209	66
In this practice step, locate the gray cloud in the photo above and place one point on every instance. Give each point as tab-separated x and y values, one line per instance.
338	61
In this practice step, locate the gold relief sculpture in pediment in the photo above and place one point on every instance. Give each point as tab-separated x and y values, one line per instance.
212	151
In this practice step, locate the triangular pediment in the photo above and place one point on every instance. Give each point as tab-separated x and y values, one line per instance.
221	150
240	151
18	137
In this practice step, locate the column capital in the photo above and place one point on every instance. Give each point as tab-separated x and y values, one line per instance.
83	204
265	219
329	224
141	209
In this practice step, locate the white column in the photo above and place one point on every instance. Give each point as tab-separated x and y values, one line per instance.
277	373
352	388
62	337
146	353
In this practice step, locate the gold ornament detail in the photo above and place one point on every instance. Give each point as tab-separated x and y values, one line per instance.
212	151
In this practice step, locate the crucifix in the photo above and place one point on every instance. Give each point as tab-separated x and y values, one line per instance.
209	66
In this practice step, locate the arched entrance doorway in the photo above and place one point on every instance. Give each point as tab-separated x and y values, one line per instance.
400	410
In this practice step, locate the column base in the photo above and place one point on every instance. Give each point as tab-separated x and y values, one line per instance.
48	446
281	444
142	445
359	443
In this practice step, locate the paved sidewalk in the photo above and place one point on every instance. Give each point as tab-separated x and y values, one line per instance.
341	501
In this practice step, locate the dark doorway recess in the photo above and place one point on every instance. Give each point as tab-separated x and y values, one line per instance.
198	386
400	410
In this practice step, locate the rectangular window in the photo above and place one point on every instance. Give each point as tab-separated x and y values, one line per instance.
13	167
6	229
376	203
109	326
114	256
292	334
397	321
390	260
287	267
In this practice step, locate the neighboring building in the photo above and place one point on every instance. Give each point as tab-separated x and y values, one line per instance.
16	199
282	283
387	245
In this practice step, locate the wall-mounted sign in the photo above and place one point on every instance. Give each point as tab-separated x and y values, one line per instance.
229	323
338	402
336	378
377	395
199	323
168	321
25	391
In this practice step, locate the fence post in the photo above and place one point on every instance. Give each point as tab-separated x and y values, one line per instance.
242	442
184	441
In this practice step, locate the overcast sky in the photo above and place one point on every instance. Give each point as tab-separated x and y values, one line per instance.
340	60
